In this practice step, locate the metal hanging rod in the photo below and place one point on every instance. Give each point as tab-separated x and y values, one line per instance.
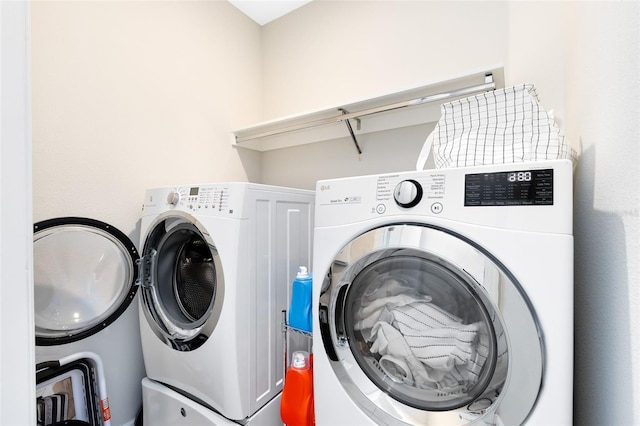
489	84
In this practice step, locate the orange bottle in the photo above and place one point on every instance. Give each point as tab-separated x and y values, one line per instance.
296	405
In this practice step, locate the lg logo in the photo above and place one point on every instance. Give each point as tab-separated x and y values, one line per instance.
325	187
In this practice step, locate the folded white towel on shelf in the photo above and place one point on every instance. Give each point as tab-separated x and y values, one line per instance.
501	126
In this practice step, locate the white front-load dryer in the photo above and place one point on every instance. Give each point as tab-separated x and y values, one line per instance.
216	264
445	297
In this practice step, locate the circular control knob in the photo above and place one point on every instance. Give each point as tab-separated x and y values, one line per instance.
173	198
408	193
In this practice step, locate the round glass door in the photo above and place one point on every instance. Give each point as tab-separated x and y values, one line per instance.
420	331
413	319
182	283
84	278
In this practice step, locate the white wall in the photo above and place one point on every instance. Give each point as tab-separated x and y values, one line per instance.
137	94
591	77
536	51
603	114
382	152
330	53
17	374
129	95
583	59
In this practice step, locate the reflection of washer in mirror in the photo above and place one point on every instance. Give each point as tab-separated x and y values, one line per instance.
182	282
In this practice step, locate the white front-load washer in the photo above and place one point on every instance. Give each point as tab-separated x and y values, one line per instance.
445	297
216	264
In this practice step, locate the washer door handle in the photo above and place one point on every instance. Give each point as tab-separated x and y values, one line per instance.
325	332
341	332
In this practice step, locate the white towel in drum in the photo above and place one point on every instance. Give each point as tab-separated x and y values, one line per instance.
375	305
438	339
390	343
431	348
439	354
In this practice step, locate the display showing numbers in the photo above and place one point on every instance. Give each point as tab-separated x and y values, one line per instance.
510	188
519	177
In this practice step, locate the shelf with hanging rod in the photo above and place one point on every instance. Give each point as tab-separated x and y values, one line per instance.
404	108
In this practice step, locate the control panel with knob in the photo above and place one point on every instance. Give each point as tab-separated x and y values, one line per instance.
407	193
173	198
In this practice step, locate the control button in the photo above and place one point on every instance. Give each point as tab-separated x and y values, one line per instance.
381	208
407	193
436	208
173	198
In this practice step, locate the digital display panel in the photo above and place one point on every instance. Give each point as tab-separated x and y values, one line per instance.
194	191
511	188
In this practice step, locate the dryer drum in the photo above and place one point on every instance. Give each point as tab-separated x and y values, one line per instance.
185	277
182	283
195	280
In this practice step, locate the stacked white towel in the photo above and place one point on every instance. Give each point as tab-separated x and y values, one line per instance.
502	126
420	344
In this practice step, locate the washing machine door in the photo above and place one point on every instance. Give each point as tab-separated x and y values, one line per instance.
84	278
182	281
423	326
